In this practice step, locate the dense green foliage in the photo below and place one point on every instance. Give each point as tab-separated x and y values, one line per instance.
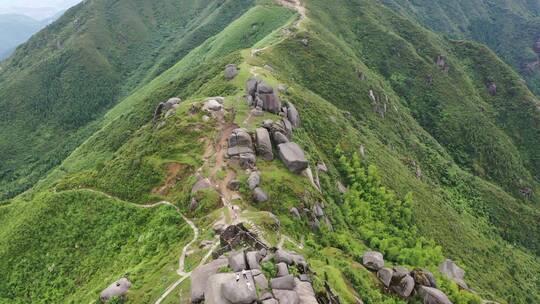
64	247
509	28
383	221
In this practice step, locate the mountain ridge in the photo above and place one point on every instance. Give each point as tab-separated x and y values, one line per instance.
386	108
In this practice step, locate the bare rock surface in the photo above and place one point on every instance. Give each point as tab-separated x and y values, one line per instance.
293	156
373	260
200	276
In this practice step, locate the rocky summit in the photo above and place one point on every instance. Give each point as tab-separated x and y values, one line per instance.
272	152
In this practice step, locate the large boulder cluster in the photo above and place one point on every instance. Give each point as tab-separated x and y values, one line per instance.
238	278
262	96
403	282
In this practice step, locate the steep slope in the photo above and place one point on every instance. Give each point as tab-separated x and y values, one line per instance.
509	28
432	162
57	86
14	30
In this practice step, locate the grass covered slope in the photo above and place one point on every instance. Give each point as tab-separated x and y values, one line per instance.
57	86
509	28
62	247
421	191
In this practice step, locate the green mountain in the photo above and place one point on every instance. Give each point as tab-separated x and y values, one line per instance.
509	28
420	147
14	30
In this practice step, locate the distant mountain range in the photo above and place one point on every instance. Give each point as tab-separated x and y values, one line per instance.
14	30
20	20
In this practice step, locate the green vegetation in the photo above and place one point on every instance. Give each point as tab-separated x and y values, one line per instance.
73	244
441	168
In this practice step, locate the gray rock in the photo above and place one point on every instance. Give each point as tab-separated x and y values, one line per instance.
270	301
282	269
454	272
288	127
385	275
318	210
293	156
284	283
254	179
242	291
212	105
237	261
116	289
433	296
373	260
231	71
267	124
264	144
399	273
295	212
282	256
271	102
233	185
293	116
266	296
259	195
424	278
405	287
261	281
341	188
282	88
200	276
253	259
251	86
305	42
280	138
212	292
286	296
240	143
246	160
305	292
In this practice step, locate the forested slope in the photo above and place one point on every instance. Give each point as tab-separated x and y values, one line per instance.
423	159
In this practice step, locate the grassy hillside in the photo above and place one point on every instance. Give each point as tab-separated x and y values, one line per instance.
440	176
509	28
56	87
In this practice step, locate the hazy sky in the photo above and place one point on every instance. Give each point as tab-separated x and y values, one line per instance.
38	9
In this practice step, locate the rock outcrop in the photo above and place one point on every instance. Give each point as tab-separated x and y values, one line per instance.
260	94
385	275
405	287
116	289
231	71
241	148
433	296
200	276
264	144
254	179
240	142
164	107
292	115
454	272
373	260
293	156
